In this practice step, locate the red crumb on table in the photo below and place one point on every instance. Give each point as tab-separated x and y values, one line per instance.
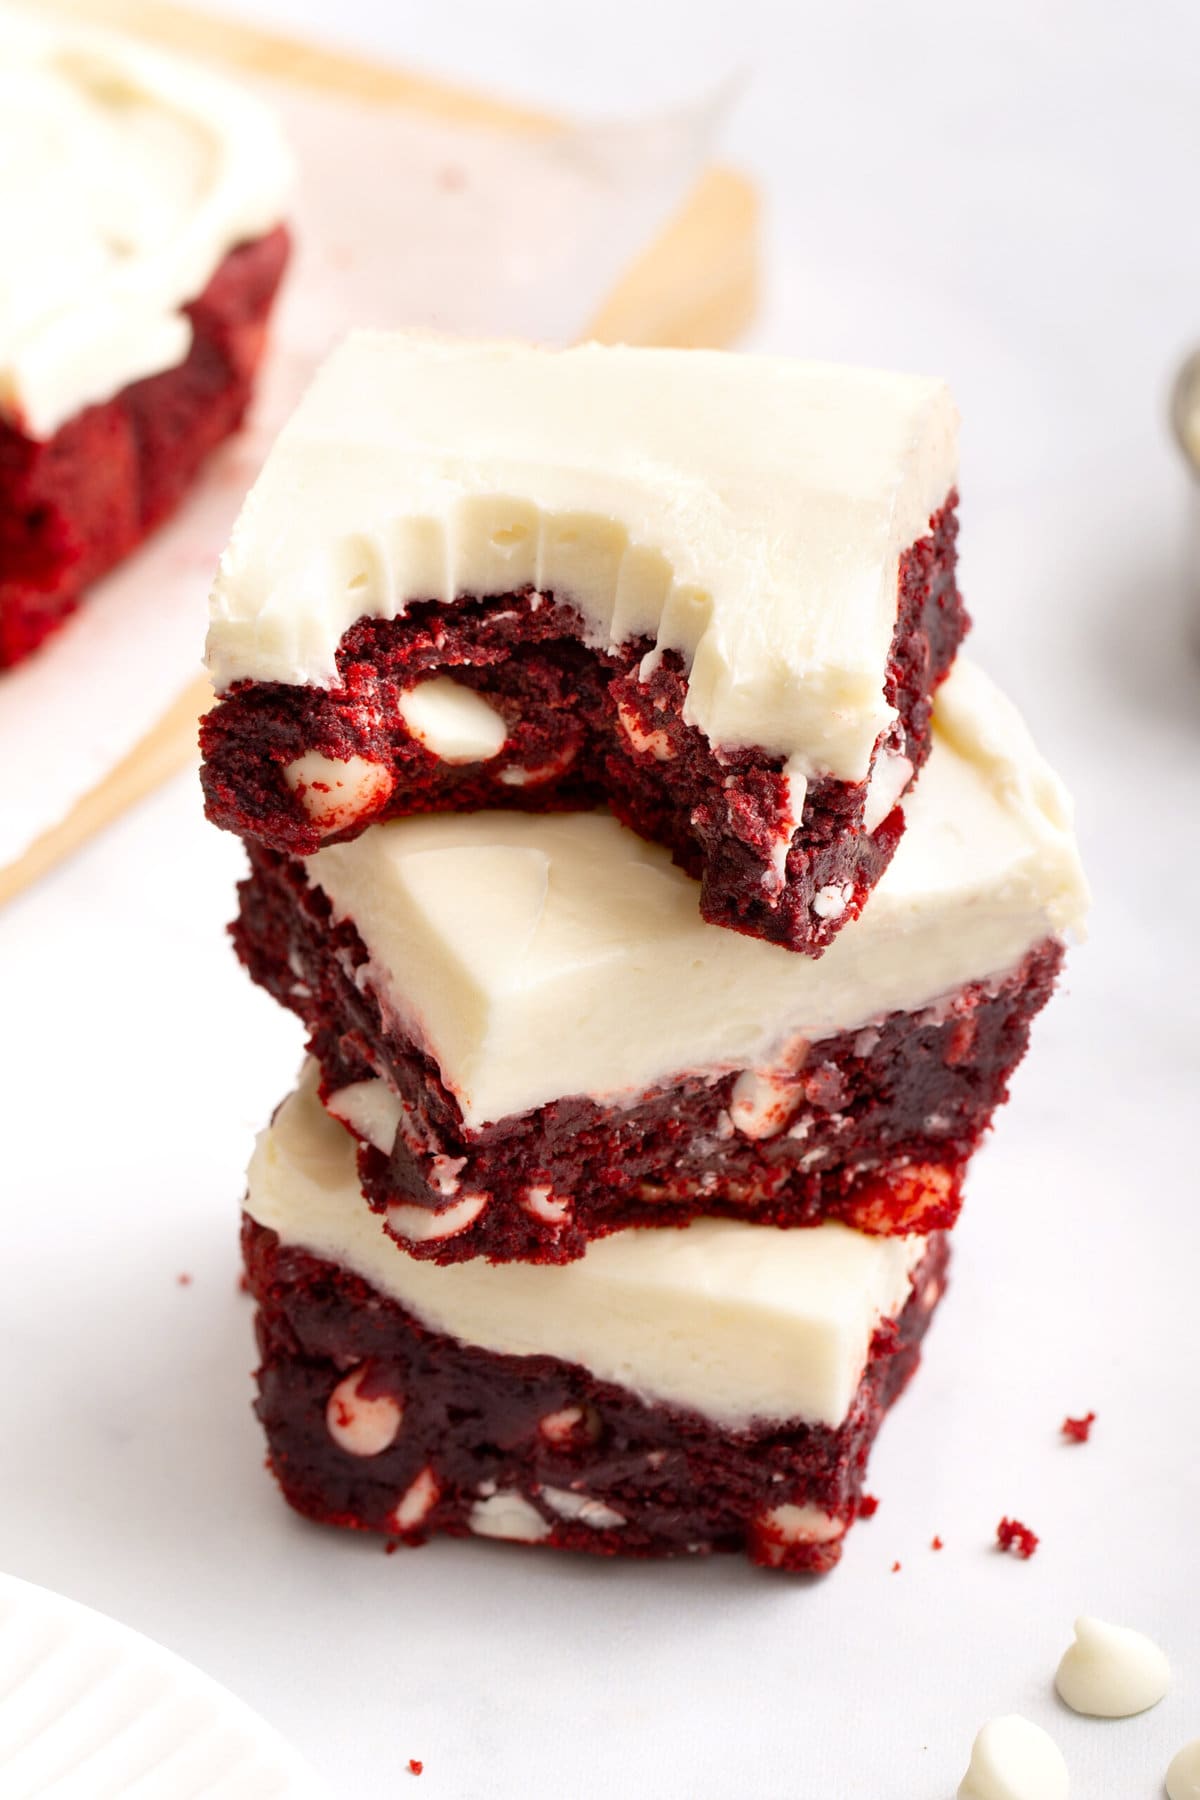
1012	1535
184	1280
414	1767
895	1568
868	1506
1078	1431
937	1544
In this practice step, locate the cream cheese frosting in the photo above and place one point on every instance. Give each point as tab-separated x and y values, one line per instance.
749	512
126	176
536	957
739	1322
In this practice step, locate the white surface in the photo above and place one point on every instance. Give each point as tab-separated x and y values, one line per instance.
486	931
126	176
749	512
735	1321
553	221
90	1710
1000	193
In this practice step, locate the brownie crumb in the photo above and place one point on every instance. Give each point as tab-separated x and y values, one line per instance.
1012	1535
414	1767
937	1544
868	1506
1078	1431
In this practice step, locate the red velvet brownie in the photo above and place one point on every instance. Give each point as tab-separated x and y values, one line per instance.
673	1393
537	1040
143	251
716	593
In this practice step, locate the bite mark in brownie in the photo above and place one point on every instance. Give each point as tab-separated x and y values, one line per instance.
873	1127
74	505
535	1450
585	726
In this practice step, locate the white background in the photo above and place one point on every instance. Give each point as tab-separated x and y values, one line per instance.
1005	194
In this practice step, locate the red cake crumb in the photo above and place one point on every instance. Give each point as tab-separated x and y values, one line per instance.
895	1568
868	1506
184	1280
937	1544
1012	1535
1078	1431
414	1766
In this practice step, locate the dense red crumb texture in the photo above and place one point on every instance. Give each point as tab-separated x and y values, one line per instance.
470	1423
876	1129
74	505
575	717
1012	1535
1078	1431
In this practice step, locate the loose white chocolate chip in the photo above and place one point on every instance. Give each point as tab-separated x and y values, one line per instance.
362	1425
1183	1776
1013	1759
335	791
452	721
1110	1672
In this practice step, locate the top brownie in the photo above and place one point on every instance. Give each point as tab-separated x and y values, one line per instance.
715	591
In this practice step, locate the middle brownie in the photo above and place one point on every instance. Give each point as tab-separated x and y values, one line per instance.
537	1040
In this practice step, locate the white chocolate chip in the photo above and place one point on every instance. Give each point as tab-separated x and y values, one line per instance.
1013	1759
362	1425
760	1103
570	1425
581	1509
508	1515
802	1525
546	1205
656	743
889	779
370	1109
1183	1776
831	902
1111	1672
335	791
452	721
421	1226
417	1502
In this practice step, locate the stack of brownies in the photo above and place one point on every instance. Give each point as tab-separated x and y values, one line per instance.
666	909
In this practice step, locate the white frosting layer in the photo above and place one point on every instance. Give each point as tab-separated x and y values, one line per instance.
736	1321
125	178
749	512
1111	1672
537	957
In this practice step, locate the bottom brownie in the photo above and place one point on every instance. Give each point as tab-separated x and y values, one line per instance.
678	1392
